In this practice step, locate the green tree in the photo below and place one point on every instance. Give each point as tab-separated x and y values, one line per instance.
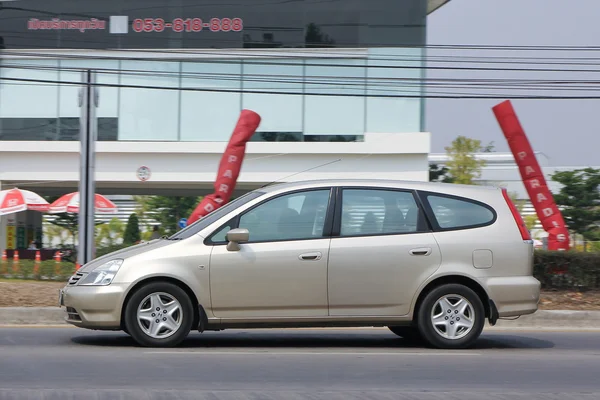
55	232
67	221
439	174
489	148
530	221
132	231
167	210
580	198
109	233
462	165
519	203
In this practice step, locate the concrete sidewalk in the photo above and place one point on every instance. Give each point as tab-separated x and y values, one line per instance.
543	319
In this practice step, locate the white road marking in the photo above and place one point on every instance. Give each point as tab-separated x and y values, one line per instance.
312	353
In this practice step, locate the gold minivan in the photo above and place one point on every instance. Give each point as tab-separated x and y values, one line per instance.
430	261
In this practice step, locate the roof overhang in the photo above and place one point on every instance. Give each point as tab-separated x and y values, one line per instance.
433	5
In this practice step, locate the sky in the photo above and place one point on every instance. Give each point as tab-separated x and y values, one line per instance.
566	131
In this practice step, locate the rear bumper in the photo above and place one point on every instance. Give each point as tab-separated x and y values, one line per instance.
94	307
514	295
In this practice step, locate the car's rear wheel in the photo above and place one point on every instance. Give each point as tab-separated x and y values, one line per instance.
410	333
159	314
451	316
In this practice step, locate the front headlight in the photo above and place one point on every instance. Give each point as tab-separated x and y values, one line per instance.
102	275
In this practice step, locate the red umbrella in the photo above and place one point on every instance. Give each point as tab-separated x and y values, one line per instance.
16	200
70	203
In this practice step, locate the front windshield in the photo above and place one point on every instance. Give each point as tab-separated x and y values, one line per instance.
208	219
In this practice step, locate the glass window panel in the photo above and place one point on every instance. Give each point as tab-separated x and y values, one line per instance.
107	72
390	115
277	137
456	213
221	235
295	216
149	114
279	112
210	116
28	99
326	115
26	129
378	212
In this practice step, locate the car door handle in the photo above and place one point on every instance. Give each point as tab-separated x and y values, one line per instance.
421	251
310	256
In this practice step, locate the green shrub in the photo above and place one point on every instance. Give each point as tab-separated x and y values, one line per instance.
567	270
132	232
48	270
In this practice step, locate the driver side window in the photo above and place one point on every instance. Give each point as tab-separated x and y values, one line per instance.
296	216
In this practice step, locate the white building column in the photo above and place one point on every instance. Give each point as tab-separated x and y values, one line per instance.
3	221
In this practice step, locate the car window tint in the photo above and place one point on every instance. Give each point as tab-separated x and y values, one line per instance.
291	217
372	212
215	215
455	213
221	235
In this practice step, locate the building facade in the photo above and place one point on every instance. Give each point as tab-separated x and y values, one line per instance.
338	85
181	71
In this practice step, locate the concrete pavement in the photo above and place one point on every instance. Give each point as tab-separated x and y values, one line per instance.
44	363
542	319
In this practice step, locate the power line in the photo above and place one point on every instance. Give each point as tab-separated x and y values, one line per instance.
328	80
353	86
213	90
309	62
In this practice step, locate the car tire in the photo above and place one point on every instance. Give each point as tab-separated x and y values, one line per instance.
410	333
167	300
458	325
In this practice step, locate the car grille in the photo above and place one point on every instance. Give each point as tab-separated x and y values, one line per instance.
72	314
75	278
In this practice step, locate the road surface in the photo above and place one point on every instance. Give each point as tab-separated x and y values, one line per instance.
71	363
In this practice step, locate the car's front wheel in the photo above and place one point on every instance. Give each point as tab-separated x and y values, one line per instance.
451	316
159	314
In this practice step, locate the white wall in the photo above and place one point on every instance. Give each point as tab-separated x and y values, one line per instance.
394	156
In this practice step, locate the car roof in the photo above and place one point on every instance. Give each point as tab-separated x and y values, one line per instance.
383	183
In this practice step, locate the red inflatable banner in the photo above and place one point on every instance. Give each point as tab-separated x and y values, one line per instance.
533	177
230	166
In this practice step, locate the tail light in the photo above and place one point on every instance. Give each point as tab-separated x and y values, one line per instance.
517	216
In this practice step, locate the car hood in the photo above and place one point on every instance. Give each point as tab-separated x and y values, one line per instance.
127	252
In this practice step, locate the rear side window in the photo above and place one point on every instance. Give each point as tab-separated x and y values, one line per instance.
453	212
368	212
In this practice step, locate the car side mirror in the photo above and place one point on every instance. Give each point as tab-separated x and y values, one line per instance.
235	237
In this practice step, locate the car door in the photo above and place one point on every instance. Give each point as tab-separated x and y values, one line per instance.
281	271
381	251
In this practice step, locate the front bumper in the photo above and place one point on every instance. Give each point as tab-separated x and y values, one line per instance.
93	307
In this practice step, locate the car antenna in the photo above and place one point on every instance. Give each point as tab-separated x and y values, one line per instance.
301	172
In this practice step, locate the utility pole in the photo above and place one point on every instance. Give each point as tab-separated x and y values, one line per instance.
88	102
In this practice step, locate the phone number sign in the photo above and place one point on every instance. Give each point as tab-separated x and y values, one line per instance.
187	25
120	24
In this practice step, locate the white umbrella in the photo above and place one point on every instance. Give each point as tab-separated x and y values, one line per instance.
69	203
17	200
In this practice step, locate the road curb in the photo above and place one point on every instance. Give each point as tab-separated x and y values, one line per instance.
32	316
543	319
